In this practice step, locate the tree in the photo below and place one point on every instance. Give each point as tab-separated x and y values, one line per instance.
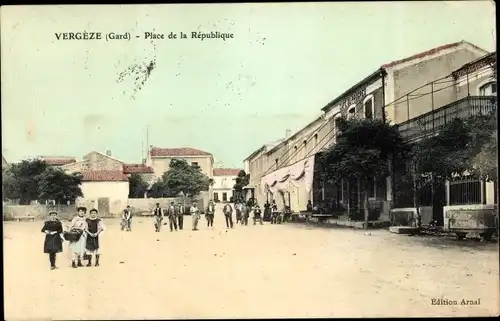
242	180
181	177
55	184
21	180
362	152
137	186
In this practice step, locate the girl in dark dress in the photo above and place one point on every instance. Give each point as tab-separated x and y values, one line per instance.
53	240
95	227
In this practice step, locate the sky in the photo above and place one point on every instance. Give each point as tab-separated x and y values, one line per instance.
285	62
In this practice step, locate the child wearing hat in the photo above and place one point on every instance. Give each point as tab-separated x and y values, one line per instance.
53	240
95	227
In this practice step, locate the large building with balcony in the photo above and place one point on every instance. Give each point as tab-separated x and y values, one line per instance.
284	172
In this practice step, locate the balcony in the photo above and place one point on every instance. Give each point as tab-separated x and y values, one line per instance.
429	123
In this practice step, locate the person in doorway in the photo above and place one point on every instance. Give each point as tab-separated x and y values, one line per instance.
210	214
195	213
228	213
158	217
95	227
267	212
257	214
179	212
309	207
77	237
172	217
53	230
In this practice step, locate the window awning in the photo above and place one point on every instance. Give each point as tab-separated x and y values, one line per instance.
300	174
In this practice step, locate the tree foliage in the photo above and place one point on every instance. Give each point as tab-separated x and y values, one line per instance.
181	177
242	180
21	180
32	180
55	184
362	151
462	146
137	186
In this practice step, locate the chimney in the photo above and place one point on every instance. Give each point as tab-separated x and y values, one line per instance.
288	133
108	152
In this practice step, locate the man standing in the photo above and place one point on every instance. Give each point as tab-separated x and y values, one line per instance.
179	210
172	217
195	213
245	213
228	213
158	217
210	214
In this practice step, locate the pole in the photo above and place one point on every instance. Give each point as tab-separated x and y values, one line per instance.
468	86
432	104
408	106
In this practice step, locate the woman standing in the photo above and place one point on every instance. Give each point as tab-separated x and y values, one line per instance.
53	239
77	238
95	227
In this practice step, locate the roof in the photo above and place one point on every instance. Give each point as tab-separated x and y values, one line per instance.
137	168
103	176
182	151
474	65
267	146
429	52
298	133
104	154
386	66
58	160
226	171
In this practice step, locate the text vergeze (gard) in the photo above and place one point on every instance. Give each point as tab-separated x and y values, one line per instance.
78	35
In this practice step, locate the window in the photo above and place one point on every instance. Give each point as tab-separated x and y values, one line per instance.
276	162
224	197
194	163
368	106
489	89
316	140
216	196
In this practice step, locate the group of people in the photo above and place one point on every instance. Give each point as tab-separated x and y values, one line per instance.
82	234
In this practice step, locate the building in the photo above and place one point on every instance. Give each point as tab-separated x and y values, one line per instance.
224	180
104	182
146	172
285	172
159	159
57	160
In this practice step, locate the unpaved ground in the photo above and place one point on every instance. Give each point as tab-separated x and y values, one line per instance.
249	272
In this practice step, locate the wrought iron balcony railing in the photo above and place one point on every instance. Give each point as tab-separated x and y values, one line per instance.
429	123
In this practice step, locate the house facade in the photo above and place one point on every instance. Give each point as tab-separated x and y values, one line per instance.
104	183
284	171
224	180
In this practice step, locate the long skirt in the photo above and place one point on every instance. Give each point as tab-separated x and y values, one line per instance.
78	247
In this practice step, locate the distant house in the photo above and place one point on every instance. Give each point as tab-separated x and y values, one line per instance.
159	159
146	172
104	182
224	180
57	160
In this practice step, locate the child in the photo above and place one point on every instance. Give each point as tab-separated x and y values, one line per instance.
257	215
76	237
53	240
95	227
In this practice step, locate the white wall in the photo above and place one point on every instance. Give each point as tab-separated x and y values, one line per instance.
117	192
223	184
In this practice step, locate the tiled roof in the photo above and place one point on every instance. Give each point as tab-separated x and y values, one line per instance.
58	160
226	171
137	168
103	176
184	151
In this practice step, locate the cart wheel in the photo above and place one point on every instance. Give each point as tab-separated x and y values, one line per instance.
461	236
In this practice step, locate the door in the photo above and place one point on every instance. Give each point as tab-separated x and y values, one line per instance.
103	205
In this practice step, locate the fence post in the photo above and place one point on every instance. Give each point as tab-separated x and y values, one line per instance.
447	190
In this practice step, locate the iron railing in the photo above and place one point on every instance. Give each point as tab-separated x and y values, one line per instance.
429	123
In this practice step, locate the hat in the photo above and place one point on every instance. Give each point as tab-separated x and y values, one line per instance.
52	212
157	204
93	210
81	208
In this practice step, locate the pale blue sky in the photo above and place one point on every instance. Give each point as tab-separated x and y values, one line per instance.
228	98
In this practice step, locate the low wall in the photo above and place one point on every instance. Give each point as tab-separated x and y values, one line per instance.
146	205
408	216
11	212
